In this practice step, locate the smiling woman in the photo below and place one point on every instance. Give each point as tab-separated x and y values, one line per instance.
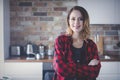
39	20
76	21
76	56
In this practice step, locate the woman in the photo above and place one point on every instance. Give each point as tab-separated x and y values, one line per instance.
76	56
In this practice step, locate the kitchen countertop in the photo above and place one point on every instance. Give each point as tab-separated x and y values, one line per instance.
24	59
104	58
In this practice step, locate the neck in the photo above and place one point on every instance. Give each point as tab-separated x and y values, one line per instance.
76	37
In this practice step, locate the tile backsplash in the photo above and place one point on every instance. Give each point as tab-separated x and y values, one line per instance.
41	21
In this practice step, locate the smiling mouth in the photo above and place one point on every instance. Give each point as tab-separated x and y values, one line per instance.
77	27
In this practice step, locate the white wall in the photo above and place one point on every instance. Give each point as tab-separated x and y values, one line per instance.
6	28
1	39
1	31
102	11
4	33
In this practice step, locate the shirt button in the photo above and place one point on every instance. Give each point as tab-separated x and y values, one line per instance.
78	60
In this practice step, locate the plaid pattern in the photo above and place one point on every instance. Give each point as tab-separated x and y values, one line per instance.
65	67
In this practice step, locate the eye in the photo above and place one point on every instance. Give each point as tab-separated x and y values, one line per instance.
73	19
81	19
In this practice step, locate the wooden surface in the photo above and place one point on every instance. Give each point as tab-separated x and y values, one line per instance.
50	59
99	43
24	59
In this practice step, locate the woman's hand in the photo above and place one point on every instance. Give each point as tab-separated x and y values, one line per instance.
93	62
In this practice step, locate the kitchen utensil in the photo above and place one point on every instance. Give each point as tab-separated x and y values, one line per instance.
41	51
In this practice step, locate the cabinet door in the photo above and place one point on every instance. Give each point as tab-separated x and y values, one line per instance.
109	71
23	71
109	77
100	11
117	11
119	70
98	78
1	69
109	68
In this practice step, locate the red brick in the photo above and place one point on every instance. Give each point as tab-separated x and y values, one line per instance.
31	18
54	13
60	8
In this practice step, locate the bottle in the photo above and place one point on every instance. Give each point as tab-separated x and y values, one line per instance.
41	51
50	50
37	56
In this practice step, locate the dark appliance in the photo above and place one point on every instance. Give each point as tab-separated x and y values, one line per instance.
118	44
48	71
16	51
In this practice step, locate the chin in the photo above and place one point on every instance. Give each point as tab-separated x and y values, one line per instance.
77	30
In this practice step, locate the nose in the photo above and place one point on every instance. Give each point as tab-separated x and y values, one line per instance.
76	22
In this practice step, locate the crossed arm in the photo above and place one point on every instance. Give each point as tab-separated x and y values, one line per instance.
66	69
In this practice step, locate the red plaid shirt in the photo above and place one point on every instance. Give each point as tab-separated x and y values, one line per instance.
64	65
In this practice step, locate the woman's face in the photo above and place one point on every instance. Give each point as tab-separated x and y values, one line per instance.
76	21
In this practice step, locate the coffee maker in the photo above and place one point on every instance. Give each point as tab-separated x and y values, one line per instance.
29	51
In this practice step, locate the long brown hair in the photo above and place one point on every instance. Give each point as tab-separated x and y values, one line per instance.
85	33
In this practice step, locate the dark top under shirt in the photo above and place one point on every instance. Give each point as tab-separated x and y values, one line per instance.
79	54
79	57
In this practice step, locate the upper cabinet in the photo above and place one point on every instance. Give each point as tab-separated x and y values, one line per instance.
102	11
117	11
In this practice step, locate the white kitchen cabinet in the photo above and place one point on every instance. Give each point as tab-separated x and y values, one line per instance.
102	11
109	77
23	70
109	71
109	68
119	68
117	11
1	69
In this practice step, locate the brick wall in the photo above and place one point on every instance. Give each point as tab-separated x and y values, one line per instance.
41	21
38	21
110	35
